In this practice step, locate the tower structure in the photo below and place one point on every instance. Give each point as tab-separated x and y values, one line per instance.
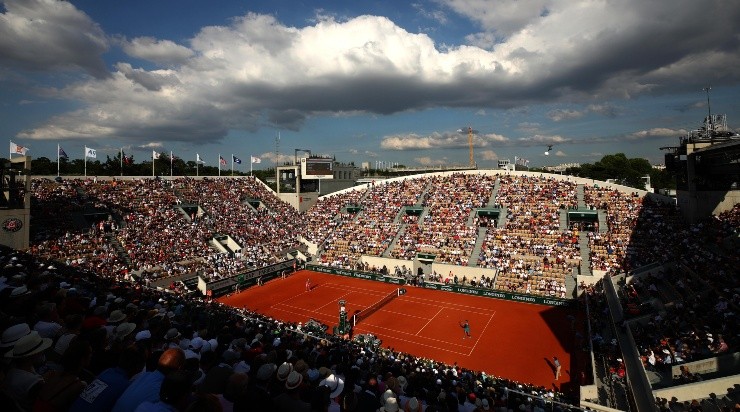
470	143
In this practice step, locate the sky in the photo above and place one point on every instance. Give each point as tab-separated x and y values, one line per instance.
366	81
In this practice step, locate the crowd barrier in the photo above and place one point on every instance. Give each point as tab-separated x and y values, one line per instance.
222	287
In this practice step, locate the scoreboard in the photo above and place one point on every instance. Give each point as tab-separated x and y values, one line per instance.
317	168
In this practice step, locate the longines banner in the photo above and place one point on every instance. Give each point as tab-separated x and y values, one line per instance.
489	293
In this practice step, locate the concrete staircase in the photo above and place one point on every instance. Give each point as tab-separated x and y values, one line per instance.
492	199
473	260
392	245
585	253
563	219
120	251
423	195
581	196
502	217
603	226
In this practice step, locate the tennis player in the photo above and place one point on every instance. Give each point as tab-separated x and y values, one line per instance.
466	327
308	285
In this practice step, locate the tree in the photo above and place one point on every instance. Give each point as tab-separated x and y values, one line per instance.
43	166
629	172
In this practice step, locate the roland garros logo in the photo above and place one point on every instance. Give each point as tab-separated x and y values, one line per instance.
12	225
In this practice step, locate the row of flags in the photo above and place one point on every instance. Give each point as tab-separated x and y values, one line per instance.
234	159
521	161
92	153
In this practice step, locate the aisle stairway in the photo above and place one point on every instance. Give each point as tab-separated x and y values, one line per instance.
473	260
389	249
494	193
120	251
585	253
581	196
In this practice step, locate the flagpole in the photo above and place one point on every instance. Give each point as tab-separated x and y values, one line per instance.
170	163
85	161
121	159
196	165
251	164
232	164
152	163
219	165
57	159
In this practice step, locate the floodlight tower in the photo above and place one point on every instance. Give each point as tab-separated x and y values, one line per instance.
710	125
470	143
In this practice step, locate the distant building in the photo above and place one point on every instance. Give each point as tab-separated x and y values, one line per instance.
345	176
561	167
505	164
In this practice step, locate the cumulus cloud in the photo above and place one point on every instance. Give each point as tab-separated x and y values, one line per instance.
428	161
42	35
502	17
529	127
257	71
559	115
658	132
488	155
542	140
437	140
606	109
414	141
151	145
163	52
269	157
560	153
150	80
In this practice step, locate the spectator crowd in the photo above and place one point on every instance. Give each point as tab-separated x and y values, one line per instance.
82	331
78	341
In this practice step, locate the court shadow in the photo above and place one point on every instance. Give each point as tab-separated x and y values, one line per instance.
550	364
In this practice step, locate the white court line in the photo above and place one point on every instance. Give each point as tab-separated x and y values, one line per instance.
399	332
481	333
352	289
310	311
430	321
308	315
391	332
403	314
451	305
335	301
417	343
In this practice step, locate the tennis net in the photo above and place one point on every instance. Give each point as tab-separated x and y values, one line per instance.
360	316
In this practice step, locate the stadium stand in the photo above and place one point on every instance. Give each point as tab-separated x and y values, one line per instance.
97	246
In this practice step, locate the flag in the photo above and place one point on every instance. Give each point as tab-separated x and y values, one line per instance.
256	160
236	160
18	149
90	153
221	161
128	159
197	158
155	155
62	154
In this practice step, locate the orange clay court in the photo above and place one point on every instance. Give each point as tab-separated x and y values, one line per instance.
508	339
